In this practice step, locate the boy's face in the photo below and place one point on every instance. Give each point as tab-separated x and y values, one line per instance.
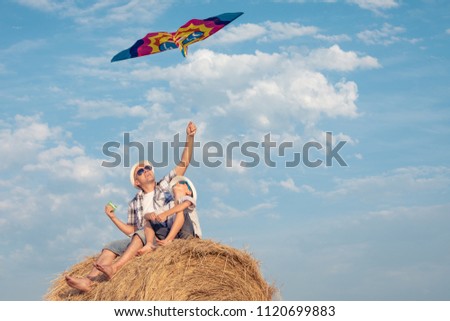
181	188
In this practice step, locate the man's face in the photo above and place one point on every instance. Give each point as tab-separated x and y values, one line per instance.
143	175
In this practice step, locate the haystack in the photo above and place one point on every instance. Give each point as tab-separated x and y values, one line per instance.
194	270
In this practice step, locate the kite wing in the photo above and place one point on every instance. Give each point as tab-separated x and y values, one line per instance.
152	43
193	31
196	30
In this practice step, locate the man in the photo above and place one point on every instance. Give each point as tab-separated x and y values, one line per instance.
151	197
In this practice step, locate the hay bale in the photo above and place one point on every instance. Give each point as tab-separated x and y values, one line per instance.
194	270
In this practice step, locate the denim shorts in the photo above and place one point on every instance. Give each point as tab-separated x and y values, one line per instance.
119	247
186	231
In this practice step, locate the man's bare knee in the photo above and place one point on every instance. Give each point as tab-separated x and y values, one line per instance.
136	240
107	256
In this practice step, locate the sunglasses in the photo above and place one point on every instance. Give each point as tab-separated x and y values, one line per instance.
143	169
185	183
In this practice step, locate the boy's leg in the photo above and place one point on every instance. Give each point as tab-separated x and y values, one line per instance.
149	236
176	226
187	229
182	228
160	229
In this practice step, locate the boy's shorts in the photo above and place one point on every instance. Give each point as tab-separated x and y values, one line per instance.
186	231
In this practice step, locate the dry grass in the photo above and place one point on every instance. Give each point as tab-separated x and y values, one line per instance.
194	270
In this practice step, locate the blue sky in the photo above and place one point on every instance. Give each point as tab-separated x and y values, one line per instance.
374	73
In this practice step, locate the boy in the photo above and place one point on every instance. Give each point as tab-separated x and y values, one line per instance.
172	224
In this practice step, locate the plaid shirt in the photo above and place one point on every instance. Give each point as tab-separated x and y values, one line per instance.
162	199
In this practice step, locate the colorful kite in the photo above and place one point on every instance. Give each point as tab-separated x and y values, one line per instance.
191	32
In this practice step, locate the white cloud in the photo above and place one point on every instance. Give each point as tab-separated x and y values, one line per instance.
23	46
387	35
103	12
252	93
94	109
272	31
376	247
22	254
159	95
55	89
223	210
375	5
68	163
289	184
396	186
235	167
85	239
265	186
242	94
220	187
409	212
298	95
283	31
24	138
44	5
280	88
334	58
19	192
333	38
109	190
239	33
32	145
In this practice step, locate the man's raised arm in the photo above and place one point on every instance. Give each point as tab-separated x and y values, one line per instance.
180	169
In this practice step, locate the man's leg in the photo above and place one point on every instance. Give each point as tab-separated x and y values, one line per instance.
84	284
111	269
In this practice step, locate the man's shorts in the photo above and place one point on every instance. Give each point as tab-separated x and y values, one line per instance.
119	247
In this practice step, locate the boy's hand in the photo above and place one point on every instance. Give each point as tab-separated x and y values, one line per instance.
161	218
191	129
151	216
163	242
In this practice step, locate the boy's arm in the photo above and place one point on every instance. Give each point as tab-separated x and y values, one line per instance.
150	216
177	208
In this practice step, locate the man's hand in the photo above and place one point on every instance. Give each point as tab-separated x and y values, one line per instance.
109	210
191	129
